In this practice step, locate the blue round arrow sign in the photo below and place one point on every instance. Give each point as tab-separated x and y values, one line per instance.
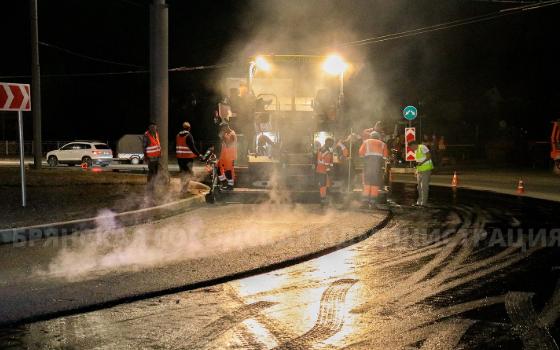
410	112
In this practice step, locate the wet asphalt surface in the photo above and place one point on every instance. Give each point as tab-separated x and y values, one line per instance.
475	270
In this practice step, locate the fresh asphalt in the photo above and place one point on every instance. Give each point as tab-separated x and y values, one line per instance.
475	270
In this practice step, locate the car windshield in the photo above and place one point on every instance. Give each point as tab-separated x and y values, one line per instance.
101	146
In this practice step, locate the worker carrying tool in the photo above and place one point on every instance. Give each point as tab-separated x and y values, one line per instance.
228	155
325	164
375	153
185	152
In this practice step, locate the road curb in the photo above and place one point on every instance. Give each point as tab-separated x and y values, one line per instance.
127	218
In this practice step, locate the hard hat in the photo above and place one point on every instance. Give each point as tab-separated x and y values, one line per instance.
375	135
186	126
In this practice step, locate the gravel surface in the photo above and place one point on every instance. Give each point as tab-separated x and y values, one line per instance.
67	194
110	263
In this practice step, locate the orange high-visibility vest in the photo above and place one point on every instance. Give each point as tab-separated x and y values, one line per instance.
374	147
229	147
324	161
182	150
153	150
344	149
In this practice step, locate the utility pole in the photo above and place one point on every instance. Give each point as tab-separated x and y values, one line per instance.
36	87
159	76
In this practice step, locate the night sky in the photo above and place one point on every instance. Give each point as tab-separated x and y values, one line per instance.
499	77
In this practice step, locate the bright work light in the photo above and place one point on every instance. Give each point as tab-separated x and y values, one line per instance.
334	65
262	64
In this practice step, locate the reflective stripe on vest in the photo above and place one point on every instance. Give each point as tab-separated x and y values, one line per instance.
153	150
372	150
421	156
181	148
324	161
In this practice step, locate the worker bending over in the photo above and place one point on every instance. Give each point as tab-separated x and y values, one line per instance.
185	152
374	152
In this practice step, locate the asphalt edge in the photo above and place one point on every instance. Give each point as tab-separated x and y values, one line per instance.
204	284
19	235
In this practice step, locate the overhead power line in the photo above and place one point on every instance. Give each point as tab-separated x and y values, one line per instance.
451	24
144	71
367	41
97	59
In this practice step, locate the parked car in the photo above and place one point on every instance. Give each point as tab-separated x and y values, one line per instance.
79	152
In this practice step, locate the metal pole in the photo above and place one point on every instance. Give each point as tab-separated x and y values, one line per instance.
21	159
160	76
36	87
350	161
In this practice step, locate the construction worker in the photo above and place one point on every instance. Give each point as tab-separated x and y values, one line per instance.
228	155
185	152
424	167
375	153
377	127
152	151
325	164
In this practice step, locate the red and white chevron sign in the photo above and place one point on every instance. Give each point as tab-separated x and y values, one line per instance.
15	97
409	136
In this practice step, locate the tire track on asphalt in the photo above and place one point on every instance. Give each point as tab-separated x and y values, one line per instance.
519	307
330	318
215	329
278	330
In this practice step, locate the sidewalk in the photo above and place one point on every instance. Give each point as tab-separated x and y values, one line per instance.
539	184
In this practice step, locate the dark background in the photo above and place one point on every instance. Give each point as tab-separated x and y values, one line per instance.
483	83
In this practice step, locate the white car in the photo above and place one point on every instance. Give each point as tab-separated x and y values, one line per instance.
79	152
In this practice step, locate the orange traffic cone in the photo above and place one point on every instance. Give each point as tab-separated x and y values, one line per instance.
520	187
455	180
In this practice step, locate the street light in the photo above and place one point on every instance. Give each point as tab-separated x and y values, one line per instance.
335	65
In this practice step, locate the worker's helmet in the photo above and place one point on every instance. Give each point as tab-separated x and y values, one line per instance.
187	126
375	135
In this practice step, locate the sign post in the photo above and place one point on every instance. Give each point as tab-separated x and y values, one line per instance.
17	98
410	113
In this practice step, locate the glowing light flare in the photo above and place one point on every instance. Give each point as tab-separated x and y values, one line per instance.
334	65
320	137
262	64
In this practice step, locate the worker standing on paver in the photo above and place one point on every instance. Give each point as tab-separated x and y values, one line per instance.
424	167
375	153
325	164
228	155
152	152
185	152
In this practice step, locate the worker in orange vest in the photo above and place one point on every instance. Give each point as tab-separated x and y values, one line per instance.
185	152
152	151
228	155
374	152
325	164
